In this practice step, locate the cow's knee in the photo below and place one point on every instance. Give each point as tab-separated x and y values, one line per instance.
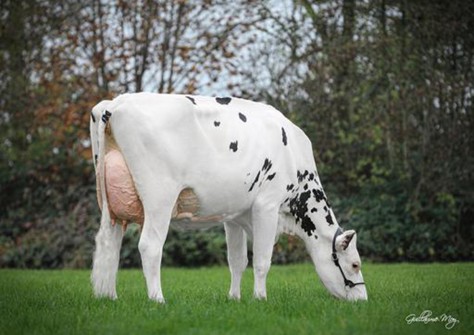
261	269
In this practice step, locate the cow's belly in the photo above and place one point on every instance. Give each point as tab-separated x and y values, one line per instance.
124	203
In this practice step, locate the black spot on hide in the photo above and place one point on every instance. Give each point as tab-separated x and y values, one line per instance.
319	195
300	176
217	123
284	138
255	181
289	187
192	100
267	165
314	210
299	209
223	101
329	219
271	176
93	117
243	117
105	116
306	175
233	146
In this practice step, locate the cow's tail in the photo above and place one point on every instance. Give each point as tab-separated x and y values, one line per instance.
101	158
109	238
95	124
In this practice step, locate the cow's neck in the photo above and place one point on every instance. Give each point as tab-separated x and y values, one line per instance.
313	219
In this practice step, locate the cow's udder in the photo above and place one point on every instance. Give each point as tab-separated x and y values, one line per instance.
124	203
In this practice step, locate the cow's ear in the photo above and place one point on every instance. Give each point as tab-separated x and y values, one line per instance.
343	240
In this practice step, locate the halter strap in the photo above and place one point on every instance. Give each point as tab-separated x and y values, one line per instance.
335	259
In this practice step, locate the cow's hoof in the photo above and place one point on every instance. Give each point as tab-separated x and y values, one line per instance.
235	297
159	300
260	296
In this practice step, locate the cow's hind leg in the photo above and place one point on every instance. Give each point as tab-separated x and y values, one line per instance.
236	256
152	239
106	257
264	227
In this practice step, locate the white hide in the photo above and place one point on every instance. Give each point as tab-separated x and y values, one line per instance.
240	159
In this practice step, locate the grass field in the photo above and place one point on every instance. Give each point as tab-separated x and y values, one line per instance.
61	302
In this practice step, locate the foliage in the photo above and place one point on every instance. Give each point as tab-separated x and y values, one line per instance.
390	230
197	302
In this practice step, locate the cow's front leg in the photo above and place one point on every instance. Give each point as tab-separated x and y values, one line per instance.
152	239
264	226
106	257
236	256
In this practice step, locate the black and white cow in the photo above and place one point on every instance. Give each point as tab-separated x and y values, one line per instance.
161	158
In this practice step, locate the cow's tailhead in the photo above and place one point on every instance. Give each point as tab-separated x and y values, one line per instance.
338	264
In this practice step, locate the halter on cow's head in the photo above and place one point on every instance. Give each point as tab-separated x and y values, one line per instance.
338	263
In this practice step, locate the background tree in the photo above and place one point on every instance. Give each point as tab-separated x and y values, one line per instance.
386	96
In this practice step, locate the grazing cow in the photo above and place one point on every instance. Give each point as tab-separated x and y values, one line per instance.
161	158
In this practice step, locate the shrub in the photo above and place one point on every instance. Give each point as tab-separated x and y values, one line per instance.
392	226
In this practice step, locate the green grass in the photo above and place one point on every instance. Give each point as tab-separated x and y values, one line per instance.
61	302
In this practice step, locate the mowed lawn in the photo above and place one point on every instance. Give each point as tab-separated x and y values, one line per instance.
61	302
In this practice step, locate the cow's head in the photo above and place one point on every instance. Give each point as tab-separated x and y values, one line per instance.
338	264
